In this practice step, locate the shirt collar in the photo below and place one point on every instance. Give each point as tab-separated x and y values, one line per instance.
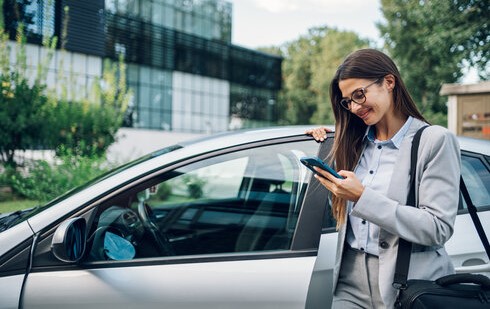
396	139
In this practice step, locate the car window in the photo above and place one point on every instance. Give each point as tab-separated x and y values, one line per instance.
243	201
476	177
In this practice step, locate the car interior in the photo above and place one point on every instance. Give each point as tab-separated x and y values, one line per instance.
182	212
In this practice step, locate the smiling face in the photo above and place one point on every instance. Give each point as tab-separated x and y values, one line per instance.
378	105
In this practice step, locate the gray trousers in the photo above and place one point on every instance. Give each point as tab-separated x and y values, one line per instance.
357	286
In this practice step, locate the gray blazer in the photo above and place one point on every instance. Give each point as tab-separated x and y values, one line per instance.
430	225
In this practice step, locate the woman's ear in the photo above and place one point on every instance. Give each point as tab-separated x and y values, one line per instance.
389	82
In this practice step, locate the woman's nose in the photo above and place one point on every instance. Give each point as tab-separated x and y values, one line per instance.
354	106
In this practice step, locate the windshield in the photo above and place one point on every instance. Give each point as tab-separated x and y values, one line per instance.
8	220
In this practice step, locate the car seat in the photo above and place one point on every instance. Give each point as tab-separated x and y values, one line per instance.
265	229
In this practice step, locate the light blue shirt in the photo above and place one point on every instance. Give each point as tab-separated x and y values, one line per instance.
374	170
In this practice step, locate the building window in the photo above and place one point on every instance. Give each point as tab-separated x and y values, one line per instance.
37	16
210	19
152	89
200	104
252	107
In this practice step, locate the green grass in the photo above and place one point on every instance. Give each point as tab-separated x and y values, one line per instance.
16	205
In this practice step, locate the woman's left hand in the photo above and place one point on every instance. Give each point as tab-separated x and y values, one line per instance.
319	134
349	188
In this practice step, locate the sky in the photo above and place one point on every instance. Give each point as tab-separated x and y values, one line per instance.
258	23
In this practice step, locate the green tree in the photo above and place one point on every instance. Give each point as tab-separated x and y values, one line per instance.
335	46
88	126
431	41
309	65
33	115
23	103
22	114
297	95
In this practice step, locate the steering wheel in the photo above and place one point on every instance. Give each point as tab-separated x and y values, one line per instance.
149	222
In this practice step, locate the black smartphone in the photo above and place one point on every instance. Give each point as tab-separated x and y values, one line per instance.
310	162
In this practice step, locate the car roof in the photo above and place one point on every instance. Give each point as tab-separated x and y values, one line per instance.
474	145
244	136
233	138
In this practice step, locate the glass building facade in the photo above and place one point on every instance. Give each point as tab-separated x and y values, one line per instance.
208	19
185	74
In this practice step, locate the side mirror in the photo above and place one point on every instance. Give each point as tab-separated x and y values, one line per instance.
68	244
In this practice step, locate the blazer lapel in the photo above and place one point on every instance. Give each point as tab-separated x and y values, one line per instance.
398	188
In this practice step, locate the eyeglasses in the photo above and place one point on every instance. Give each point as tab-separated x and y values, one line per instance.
358	96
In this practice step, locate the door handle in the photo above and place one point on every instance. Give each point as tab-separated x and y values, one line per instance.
474	268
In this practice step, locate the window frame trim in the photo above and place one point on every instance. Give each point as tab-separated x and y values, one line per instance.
485	161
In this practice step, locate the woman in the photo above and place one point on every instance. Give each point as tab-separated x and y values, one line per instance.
376	120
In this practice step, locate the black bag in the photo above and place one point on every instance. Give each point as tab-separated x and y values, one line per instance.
458	291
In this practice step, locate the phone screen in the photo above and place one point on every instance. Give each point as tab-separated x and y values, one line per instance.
310	162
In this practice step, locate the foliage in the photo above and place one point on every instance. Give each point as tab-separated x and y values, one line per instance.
309	64
62	117
23	103
44	181
22	114
79	127
88	126
164	191
335	46
194	185
431	41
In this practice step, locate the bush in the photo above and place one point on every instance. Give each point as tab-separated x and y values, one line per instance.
87	126
164	191
23	104
83	129
43	181
33	115
195	185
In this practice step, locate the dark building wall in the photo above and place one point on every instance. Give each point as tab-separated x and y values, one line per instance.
142	43
85	23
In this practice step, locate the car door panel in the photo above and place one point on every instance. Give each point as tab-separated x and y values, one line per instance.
321	285
465	247
10	291
262	283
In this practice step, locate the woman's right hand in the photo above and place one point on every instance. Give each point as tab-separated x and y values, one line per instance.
350	188
319	134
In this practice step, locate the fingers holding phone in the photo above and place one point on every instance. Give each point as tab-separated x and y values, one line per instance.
348	188
343	184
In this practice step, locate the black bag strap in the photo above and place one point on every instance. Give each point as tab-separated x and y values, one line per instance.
404	246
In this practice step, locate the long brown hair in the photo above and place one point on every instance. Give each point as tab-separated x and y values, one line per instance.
350	129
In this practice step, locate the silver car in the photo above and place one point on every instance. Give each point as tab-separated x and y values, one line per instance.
230	221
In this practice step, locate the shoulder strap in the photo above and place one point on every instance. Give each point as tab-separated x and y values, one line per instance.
405	247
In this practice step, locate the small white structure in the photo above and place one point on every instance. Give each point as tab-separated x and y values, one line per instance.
468	109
